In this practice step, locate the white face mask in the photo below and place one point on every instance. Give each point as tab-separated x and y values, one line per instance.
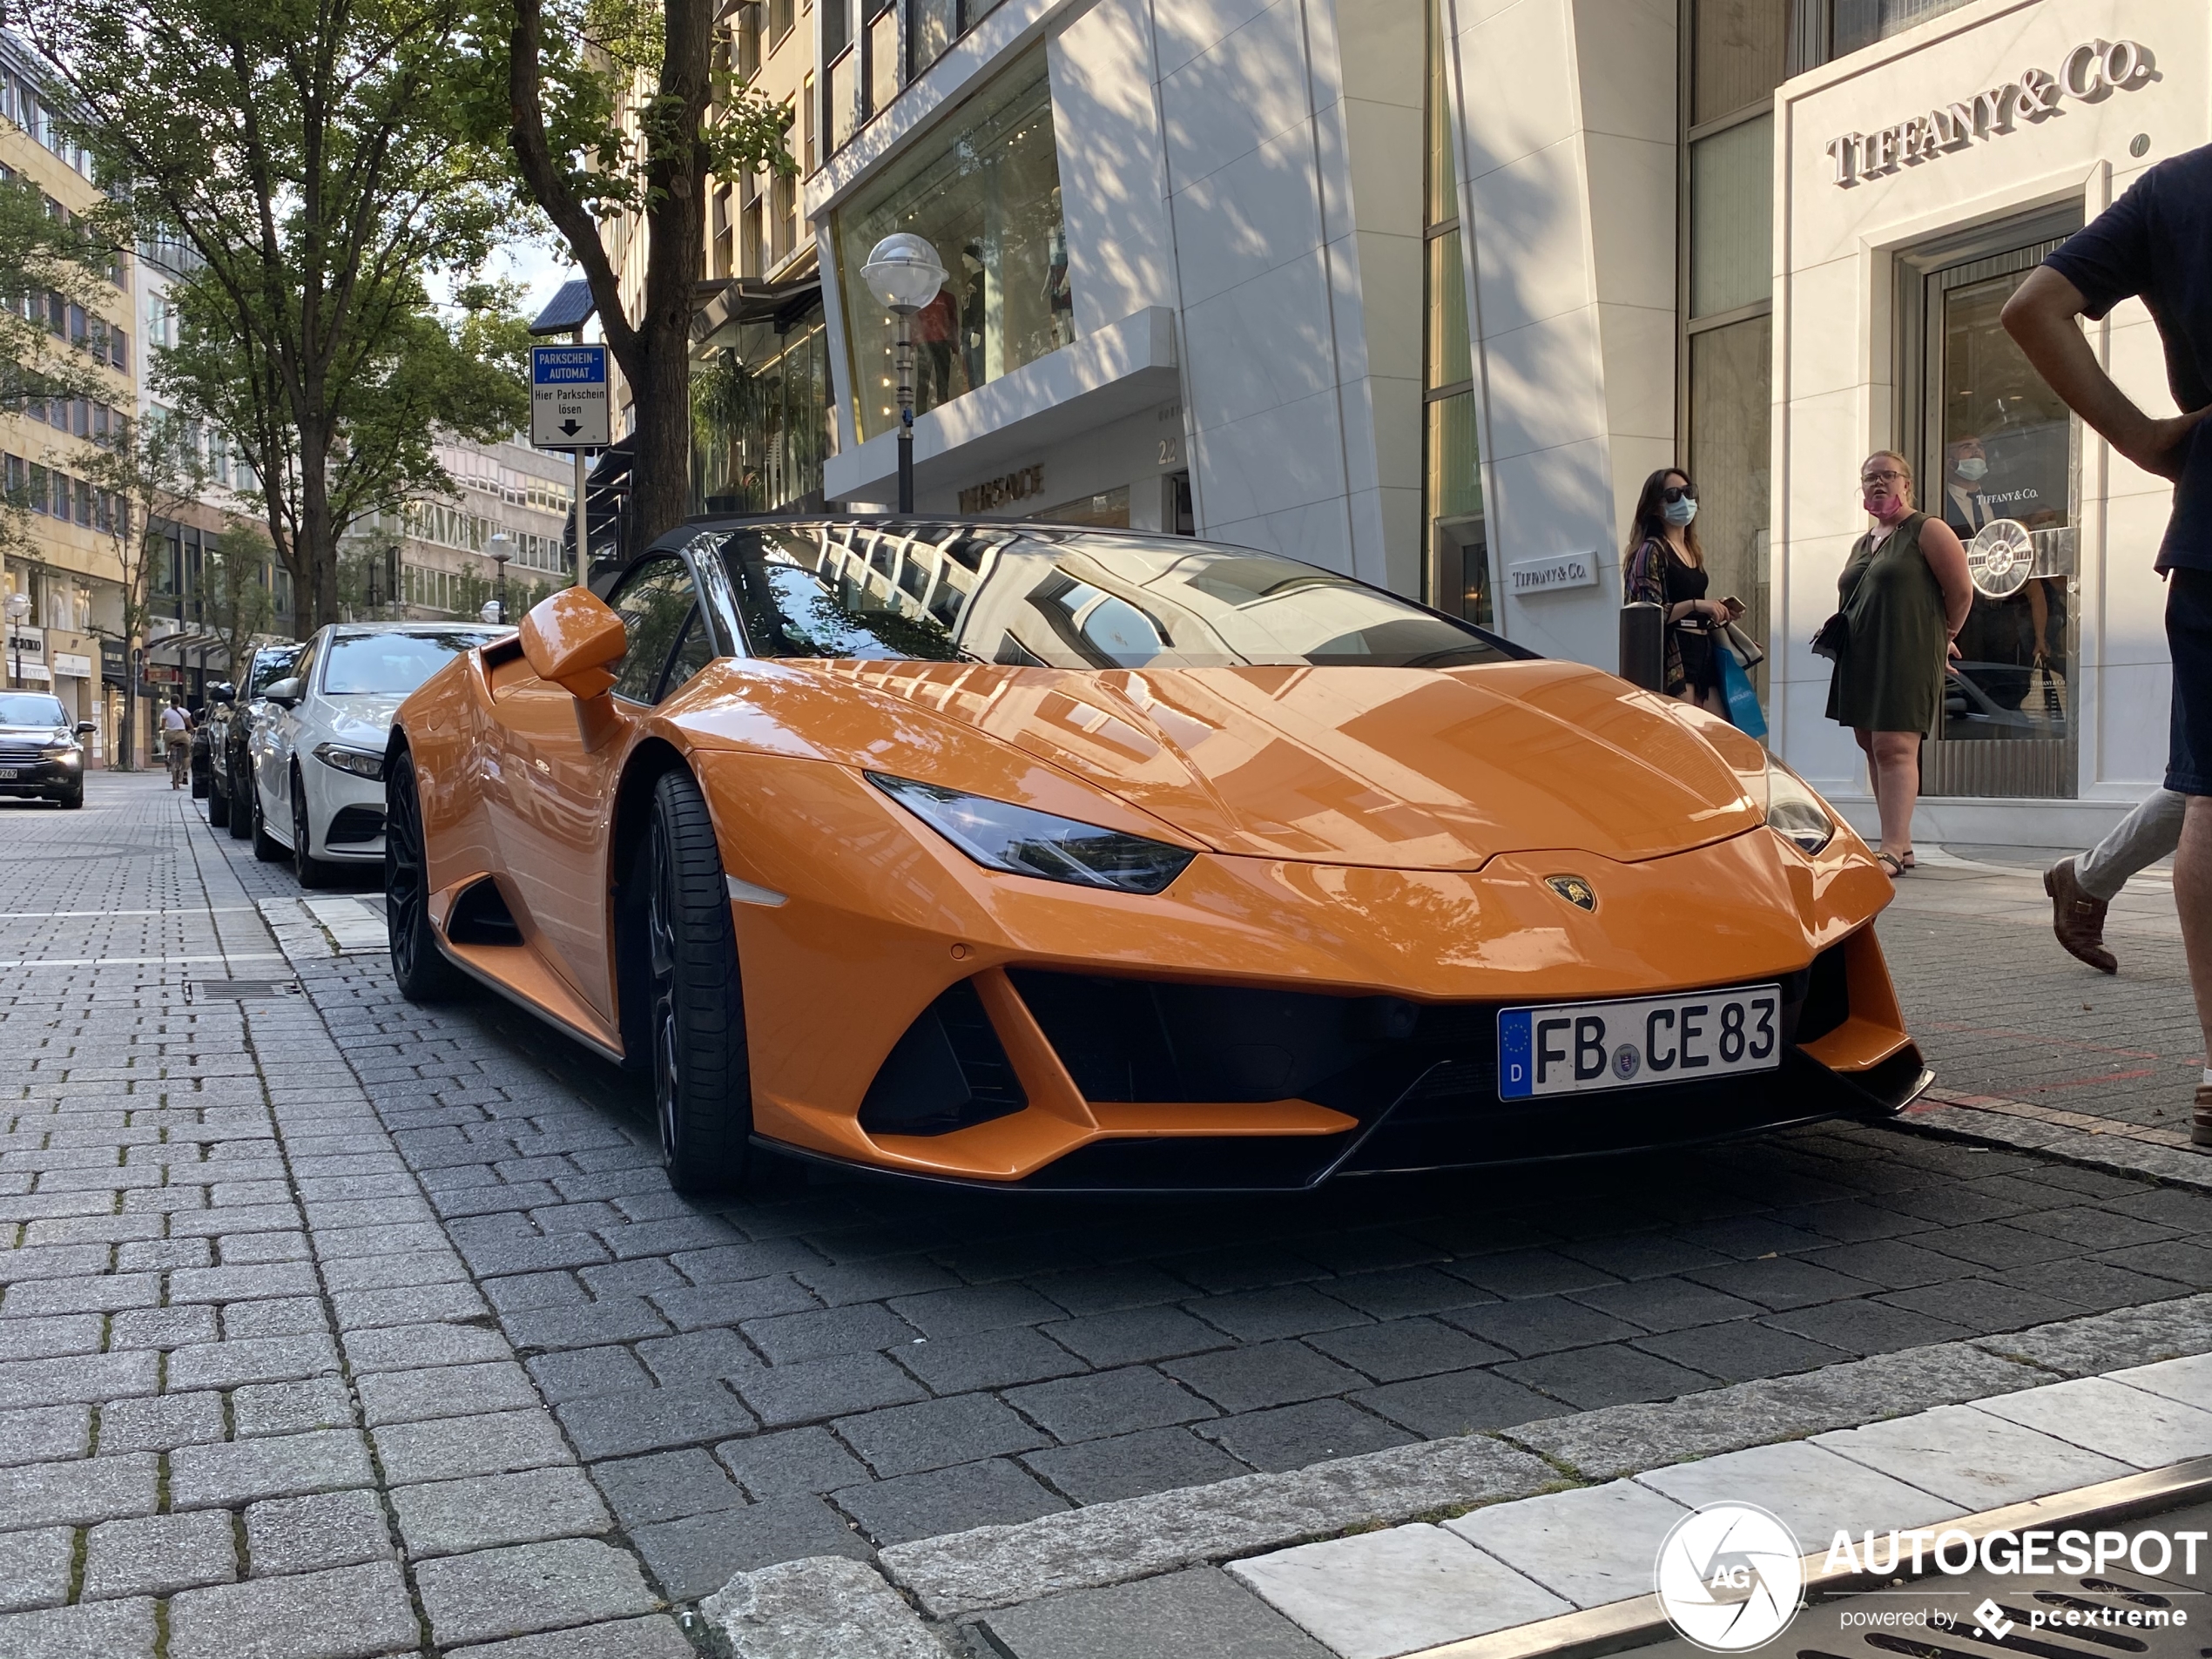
1679	513
1973	469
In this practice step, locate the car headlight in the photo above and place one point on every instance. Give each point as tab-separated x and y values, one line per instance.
359	762
59	751
1794	812
1023	841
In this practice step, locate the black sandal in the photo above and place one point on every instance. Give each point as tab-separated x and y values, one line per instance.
1891	864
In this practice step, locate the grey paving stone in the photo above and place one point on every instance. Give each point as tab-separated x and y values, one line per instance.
446	1391
80	1492
178	1327
158	1553
986	1493
284	1467
1458	1402
1893	1262
817	1610
1201	1610
793	1337
34	1568
794	1461
524	1291
410	1347
1291	1437
617	1425
1109	1403
451	1447
111	1629
451	1517
228	1364
513	1592
45	1433
2095	1286
290	1408
343	1613
908	1440
1102	1290
282	1316
1401	1292
658	1637
305	1534
1742	1350
698	1356
1134	1335
1777	1283
64	1334
669	1486
1864	1326
969	1309
1402	1348
989	1360
84	1378
1262	1374
1286	1311
620	1319
787	1395
1529	1273
580	1372
241	1283
1541	1325
1131	1465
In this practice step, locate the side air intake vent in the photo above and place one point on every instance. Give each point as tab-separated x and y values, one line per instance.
481	917
946	1072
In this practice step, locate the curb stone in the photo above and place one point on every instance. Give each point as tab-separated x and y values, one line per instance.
2115	1153
826	1607
1134	1538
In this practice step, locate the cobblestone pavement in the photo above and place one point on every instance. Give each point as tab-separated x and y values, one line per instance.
333	1326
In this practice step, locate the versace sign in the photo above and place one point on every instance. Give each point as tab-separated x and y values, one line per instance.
2090	73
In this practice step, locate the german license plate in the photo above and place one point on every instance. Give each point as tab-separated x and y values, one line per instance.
7	774
1578	1048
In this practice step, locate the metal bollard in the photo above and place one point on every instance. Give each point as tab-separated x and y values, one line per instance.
1643	645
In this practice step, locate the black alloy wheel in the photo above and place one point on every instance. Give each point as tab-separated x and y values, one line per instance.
266	847
241	805
310	871
418	967
702	1086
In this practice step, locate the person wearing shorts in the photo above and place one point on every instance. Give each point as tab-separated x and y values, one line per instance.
176	742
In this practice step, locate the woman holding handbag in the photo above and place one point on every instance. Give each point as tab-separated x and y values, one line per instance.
1666	566
1904	596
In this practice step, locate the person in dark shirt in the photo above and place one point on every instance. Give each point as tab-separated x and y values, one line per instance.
2154	244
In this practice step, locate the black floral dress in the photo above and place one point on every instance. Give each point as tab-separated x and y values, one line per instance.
1657	576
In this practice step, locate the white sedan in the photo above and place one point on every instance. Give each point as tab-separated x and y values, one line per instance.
318	760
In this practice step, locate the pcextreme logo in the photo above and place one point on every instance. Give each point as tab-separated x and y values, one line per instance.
1729	1577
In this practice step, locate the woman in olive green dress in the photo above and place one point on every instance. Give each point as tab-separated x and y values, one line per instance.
1904	594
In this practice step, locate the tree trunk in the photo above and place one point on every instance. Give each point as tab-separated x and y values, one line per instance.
319	545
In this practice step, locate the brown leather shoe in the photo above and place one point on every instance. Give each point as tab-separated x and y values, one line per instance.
2201	1120
2078	919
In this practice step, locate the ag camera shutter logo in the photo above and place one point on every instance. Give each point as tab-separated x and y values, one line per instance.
1729	1577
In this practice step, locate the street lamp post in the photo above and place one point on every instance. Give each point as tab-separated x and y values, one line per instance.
904	275
502	549
18	607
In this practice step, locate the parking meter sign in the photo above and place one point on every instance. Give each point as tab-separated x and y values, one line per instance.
568	401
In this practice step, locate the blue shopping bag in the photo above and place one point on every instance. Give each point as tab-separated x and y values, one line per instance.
1743	711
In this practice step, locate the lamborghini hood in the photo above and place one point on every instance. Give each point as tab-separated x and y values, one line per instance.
1402	768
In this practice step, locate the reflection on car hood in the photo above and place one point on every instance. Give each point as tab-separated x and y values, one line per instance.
42	730
1406	768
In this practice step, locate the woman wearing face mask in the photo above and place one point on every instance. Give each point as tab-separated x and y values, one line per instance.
1666	566
1904	594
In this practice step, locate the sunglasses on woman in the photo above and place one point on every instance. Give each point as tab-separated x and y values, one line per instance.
1673	493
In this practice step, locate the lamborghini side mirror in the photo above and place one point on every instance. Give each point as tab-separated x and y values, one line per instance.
570	640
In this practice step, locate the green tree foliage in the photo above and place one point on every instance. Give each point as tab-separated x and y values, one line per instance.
615	108
310	153
46	260
235	597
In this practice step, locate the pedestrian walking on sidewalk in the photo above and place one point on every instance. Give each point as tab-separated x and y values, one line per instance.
176	741
2154	244
1904	596
2082	888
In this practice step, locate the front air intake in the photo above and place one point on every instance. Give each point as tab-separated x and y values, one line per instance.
948	1072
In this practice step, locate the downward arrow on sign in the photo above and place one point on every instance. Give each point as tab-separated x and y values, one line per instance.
570	427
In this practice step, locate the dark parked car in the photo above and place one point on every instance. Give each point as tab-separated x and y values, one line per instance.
230	773
40	755
202	734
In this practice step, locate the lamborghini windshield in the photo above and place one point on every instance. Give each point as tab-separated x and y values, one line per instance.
1055	597
393	664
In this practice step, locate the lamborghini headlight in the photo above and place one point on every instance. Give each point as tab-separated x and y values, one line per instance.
359	762
1794	812
1022	841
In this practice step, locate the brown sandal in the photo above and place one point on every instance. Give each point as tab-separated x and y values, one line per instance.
1891	864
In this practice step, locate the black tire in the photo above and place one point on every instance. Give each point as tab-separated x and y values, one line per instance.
242	807
418	967
199	785
308	870
219	807
75	799
266	847
702	1086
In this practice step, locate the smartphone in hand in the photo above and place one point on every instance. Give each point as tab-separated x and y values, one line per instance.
1734	606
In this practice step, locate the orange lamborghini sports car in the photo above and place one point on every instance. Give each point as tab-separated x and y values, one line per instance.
1058	857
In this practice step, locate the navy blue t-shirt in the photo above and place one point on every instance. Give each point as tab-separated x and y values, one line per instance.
2156	242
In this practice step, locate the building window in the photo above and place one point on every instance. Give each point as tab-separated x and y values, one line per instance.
761	415
1458	568
1853	23
983	190
1734	52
